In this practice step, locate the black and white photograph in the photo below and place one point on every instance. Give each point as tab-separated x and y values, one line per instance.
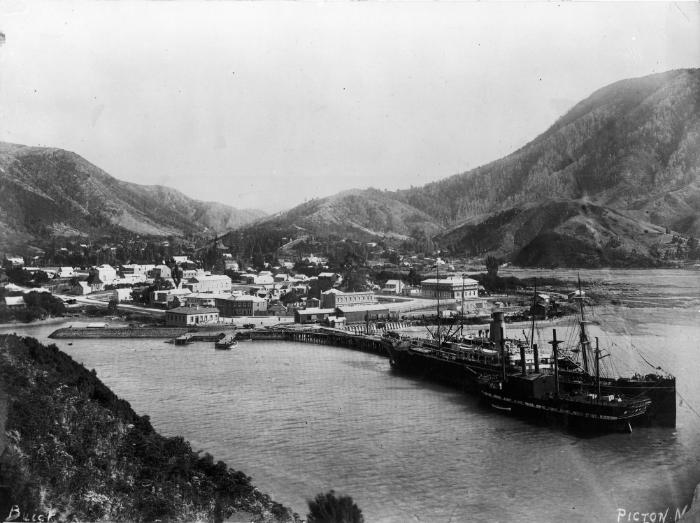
350	262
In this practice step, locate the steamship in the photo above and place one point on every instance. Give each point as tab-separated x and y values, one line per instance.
470	362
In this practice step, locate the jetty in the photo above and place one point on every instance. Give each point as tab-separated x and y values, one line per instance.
373	343
68	333
321	336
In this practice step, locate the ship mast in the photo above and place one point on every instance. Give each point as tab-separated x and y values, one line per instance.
461	320
437	289
555	352
597	368
532	329
583	338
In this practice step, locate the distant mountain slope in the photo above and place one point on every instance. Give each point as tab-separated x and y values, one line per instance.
561	233
365	212
633	146
620	164
51	192
357	214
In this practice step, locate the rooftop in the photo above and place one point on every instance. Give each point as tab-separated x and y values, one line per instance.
360	308
194	310
315	310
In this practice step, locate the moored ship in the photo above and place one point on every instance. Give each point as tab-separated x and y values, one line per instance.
462	361
540	395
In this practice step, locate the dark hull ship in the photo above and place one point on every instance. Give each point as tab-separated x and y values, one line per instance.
467	362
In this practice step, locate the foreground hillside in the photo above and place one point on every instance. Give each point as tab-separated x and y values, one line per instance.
597	188
49	193
73	447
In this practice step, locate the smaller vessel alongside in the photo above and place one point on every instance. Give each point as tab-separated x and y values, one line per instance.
226	343
538	395
183	340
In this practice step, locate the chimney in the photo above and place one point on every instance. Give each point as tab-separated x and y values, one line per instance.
537	357
497	327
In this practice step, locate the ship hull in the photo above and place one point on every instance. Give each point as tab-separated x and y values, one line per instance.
589	417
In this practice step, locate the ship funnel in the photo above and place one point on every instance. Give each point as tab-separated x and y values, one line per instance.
536	355
497	327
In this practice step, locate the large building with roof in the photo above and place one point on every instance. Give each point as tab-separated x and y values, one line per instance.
450	288
241	306
333	298
363	313
190	316
212	283
312	315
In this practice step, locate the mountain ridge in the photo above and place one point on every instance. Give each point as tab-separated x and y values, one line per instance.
50	192
631	148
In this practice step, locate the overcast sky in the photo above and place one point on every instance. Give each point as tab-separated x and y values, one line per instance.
265	105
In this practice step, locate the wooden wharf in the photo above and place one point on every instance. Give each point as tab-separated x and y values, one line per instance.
323	336
372	343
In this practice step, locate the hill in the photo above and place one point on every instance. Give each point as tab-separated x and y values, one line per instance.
362	215
69	445
49	193
630	151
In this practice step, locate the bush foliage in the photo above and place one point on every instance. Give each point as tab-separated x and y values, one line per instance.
77	448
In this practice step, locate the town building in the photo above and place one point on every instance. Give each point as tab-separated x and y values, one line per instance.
103	274
15	302
132	279
188	316
362	313
133	269
166	296
312	315
120	295
393	287
333	298
230	264
65	272
241	306
181	259
161	271
277	309
12	262
217	283
205	299
81	288
450	288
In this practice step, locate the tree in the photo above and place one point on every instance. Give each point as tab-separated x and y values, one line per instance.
112	306
413	278
328	508
492	264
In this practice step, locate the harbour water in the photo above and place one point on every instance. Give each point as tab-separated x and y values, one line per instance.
301	419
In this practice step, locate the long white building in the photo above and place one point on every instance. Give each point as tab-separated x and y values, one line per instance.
450	288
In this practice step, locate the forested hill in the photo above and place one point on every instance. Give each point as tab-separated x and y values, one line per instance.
609	183
47	193
74	449
633	146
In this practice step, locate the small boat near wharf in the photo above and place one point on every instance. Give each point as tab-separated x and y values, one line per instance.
228	342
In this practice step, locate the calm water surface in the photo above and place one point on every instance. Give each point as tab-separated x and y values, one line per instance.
301	419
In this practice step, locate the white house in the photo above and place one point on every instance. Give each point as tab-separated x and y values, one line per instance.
15	302
215	283
121	295
105	273
393	286
450	288
183	316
